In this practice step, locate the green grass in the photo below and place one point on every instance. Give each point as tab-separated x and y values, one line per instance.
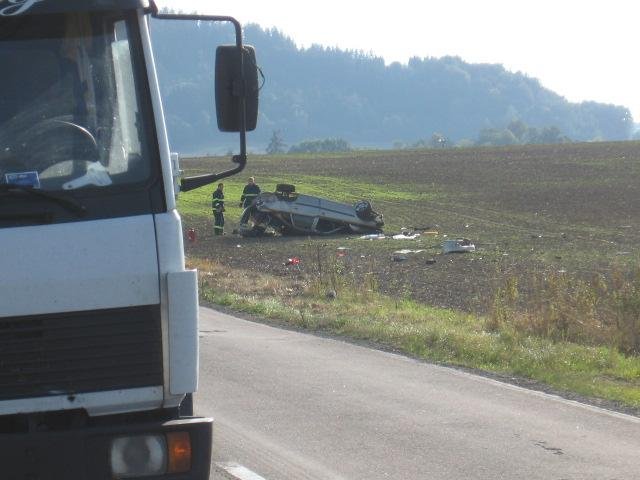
196	203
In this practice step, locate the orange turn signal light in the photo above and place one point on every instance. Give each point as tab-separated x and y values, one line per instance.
179	447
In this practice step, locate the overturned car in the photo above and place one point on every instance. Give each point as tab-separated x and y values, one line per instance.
289	213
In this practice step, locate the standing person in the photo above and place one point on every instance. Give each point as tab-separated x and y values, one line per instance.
217	204
250	192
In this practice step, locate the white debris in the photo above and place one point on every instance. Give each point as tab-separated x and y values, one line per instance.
406	236
459	245
373	236
407	251
402	255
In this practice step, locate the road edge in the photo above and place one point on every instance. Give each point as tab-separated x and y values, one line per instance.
607	406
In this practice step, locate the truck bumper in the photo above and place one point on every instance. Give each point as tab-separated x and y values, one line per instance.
84	453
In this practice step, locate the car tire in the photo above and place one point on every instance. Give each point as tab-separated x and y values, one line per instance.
364	210
285	188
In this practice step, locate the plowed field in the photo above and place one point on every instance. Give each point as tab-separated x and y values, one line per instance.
573	208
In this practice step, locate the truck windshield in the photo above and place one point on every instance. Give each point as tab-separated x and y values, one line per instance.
70	112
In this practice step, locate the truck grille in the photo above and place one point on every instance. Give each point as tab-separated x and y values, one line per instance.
80	352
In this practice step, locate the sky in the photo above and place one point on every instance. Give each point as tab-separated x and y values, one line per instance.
581	49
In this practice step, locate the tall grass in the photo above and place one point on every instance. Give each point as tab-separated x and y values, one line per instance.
601	311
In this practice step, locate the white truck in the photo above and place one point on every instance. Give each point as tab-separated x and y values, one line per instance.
98	314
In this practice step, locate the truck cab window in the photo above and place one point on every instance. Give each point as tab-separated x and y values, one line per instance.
71	108
126	136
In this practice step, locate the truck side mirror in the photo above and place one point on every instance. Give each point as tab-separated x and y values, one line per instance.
236	93
232	87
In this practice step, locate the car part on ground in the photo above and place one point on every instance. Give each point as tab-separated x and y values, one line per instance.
402	255
289	213
373	236
406	236
459	245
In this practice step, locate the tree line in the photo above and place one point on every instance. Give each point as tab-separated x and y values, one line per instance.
328	93
277	145
516	133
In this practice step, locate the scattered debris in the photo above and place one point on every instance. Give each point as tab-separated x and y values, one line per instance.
406	236
407	251
430	261
342	251
373	236
459	245
191	235
402	255
292	261
331	294
623	253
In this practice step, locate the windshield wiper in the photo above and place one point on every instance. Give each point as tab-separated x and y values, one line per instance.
68	203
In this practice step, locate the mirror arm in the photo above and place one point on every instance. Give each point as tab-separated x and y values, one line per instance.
190	183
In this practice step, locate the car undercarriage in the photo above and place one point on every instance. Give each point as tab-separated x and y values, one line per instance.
287	212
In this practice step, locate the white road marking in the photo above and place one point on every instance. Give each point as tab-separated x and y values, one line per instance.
238	471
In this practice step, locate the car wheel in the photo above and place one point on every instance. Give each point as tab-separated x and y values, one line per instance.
364	210
285	188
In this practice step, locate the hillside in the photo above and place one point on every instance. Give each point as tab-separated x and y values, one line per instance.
324	92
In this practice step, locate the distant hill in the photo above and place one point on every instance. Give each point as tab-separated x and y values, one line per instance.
319	92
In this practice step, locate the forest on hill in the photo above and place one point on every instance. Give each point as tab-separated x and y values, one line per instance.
326	93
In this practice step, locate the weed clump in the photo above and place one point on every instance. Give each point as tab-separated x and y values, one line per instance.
601	311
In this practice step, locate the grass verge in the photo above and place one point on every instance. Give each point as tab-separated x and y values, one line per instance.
434	334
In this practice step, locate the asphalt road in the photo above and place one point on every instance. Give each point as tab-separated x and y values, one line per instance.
288	405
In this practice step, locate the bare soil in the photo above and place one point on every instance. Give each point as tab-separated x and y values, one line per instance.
573	208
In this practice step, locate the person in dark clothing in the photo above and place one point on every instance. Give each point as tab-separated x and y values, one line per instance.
250	192
217	204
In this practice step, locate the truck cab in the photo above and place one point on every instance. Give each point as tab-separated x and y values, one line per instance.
98	314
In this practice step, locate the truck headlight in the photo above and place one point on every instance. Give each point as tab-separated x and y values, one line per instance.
139	456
